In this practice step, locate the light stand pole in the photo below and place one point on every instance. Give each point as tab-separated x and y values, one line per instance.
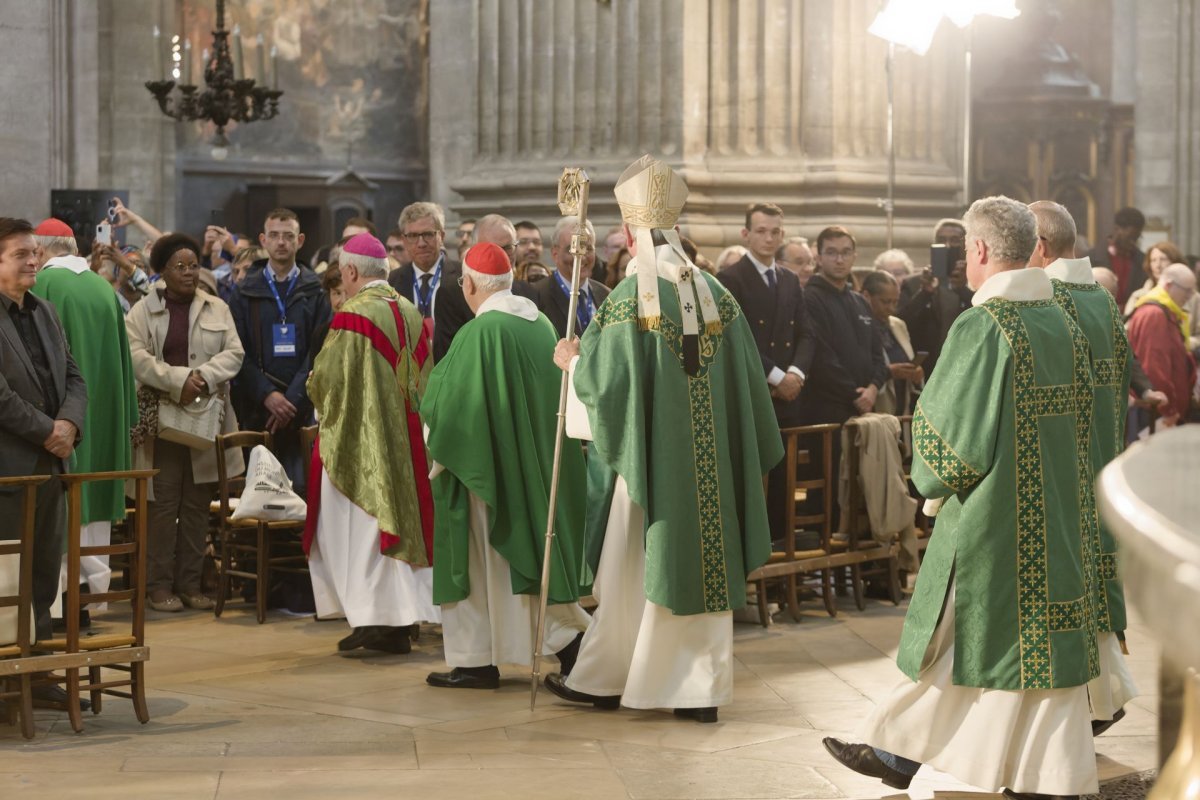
889	204
966	162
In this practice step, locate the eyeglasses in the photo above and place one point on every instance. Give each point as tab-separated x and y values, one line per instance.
838	255
423	236
181	267
508	248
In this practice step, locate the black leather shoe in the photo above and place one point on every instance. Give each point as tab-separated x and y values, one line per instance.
699	714
1030	796
55	697
466	678
862	759
568	655
389	639
1099	726
557	684
355	640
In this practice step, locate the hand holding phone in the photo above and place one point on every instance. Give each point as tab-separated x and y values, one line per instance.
920	357
104	233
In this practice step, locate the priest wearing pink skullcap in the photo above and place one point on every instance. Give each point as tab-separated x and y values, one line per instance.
490	410
369	533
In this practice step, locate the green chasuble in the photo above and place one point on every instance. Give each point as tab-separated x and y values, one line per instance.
95	326
692	449
491	407
1093	308
364	382
1002	432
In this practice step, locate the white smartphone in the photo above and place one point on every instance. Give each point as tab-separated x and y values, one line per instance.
104	233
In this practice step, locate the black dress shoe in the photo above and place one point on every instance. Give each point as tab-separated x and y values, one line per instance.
699	714
356	639
1099	726
466	678
862	759
55	697
557	684
568	655
389	639
1031	796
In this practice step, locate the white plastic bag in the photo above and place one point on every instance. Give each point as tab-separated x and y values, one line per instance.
268	493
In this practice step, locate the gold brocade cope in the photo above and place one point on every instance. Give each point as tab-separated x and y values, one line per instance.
365	383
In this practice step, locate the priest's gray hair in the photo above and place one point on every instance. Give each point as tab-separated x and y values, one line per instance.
58	245
1007	226
488	283
487	226
367	266
568	224
1056	226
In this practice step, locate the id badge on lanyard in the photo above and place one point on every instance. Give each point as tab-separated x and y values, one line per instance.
283	333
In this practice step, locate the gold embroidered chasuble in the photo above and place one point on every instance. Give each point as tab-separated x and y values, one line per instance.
692	449
1002	432
1093	308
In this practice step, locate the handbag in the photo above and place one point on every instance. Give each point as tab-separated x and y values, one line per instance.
195	425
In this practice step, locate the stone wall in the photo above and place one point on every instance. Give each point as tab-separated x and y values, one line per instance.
779	100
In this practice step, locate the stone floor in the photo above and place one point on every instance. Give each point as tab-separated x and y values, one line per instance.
240	710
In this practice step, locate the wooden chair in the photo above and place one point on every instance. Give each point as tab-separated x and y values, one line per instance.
121	652
19	700
789	563
870	558
242	538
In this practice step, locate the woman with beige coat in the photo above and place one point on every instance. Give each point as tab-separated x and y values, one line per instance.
184	348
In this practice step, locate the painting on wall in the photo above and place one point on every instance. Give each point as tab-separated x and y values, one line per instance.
353	73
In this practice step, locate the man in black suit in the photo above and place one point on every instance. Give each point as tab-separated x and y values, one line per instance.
429	272
773	302
451	311
43	399
553	294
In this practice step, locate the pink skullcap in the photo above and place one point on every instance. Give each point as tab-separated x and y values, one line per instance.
53	227
488	259
364	244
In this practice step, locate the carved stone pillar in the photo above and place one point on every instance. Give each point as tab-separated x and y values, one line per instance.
774	100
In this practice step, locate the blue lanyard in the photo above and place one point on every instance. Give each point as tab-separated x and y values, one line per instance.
275	291
585	309
424	298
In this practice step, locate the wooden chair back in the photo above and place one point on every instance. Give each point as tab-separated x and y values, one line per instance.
121	651
19	700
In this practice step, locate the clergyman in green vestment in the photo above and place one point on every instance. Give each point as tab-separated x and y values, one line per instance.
370	548
94	323
1000	640
491	413
1097	314
670	392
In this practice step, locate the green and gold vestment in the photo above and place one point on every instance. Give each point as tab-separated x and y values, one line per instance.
692	449
1003	433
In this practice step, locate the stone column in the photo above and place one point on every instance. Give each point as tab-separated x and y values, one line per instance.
776	100
1167	114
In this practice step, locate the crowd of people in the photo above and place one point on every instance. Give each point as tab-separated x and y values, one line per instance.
433	370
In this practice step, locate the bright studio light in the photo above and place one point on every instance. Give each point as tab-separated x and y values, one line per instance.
961	12
912	23
908	23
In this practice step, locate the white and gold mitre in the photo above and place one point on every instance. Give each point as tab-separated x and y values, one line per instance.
650	194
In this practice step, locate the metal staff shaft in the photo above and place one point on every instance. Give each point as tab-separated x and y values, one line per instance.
578	250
